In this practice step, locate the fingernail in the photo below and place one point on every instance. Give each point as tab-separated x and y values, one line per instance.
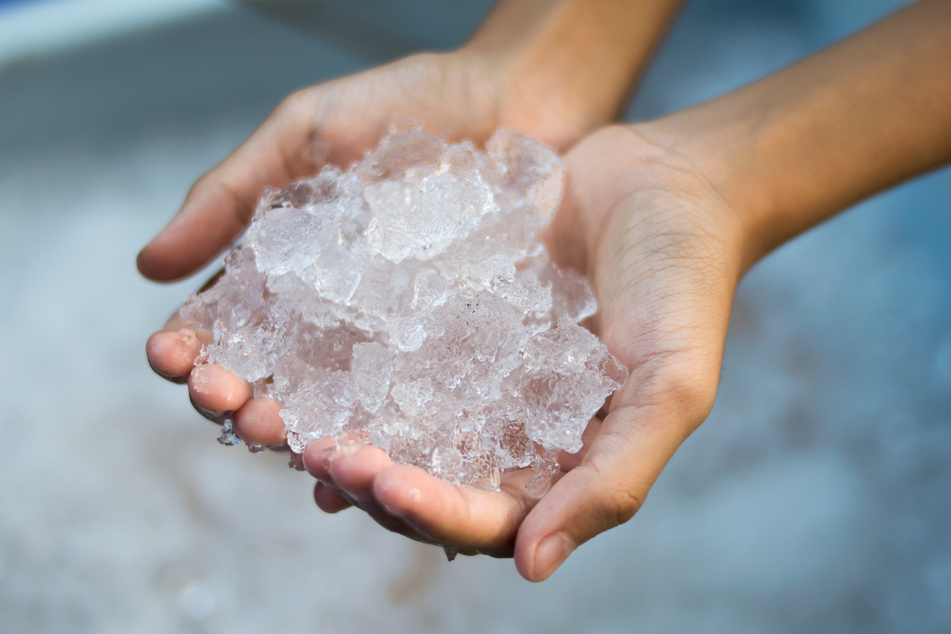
215	417
318	462
179	380
391	511
551	552
296	461
198	380
211	414
326	457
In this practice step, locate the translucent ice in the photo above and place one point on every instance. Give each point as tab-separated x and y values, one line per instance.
409	301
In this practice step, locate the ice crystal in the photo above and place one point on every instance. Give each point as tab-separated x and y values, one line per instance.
409	300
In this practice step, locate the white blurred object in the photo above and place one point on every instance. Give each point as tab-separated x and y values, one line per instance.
37	28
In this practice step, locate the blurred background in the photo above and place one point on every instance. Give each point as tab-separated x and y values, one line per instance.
814	499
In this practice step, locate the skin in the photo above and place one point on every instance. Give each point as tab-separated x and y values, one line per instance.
524	68
520	70
664	217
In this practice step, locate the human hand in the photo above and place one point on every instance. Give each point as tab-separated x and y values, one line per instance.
551	70
662	251
664	218
466	94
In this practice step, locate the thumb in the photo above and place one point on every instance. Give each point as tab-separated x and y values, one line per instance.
609	485
221	203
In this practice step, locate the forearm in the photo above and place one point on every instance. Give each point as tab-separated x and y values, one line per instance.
791	150
574	61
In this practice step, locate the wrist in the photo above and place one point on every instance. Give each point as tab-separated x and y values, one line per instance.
794	148
719	162
568	66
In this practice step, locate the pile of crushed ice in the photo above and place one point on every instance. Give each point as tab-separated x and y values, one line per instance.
409	299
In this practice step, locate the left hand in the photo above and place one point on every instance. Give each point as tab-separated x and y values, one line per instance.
663	252
465	94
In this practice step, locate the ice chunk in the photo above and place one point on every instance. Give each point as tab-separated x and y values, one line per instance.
421	216
408	302
372	368
563	385
284	239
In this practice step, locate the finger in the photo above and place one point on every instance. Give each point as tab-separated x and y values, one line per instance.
605	490
259	422
353	475
220	203
172	353
328	500
459	515
215	390
317	457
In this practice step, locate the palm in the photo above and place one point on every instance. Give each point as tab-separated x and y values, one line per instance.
652	239
661	250
460	95
641	227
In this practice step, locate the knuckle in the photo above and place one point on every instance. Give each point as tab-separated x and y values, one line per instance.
693	393
294	106
204	182
618	506
293	103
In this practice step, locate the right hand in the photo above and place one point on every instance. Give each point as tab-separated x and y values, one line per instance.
463	94
644	220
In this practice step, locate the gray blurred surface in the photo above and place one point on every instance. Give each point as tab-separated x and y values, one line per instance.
815	498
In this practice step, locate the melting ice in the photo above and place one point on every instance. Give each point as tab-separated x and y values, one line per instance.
409	300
